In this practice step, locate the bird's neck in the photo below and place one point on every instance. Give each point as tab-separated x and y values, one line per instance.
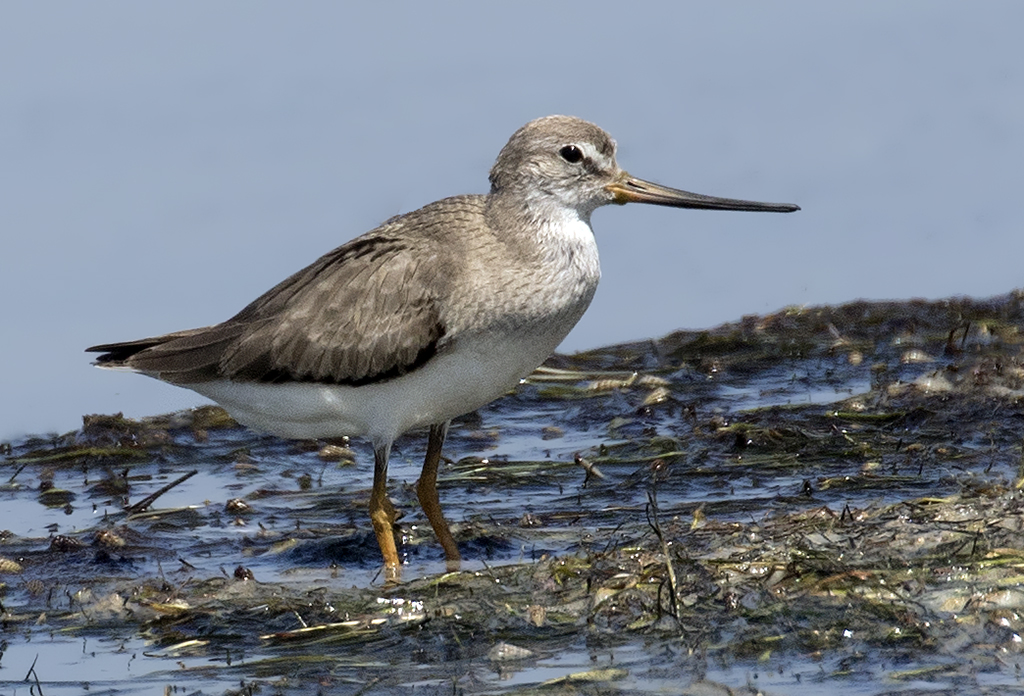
520	215
554	240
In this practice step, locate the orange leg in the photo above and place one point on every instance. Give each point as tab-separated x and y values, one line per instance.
382	514
426	491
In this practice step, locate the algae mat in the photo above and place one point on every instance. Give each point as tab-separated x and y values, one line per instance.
822	500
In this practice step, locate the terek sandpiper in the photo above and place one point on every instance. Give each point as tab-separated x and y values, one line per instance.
432	315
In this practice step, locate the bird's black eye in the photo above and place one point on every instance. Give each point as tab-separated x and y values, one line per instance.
571	153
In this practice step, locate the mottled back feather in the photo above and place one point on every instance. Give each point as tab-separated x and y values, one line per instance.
366	311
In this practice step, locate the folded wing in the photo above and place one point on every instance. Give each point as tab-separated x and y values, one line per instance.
364	312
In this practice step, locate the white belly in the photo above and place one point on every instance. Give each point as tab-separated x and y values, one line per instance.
472	375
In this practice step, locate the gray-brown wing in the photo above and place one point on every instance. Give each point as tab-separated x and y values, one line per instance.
366	311
180	357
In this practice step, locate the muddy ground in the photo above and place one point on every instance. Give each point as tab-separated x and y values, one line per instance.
822	500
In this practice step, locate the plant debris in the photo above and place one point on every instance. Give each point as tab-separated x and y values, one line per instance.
820	497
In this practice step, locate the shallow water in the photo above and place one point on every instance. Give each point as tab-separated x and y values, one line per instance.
819	499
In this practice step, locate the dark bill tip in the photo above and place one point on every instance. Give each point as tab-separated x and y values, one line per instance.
629	189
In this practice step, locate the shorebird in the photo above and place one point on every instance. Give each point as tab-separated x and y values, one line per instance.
430	316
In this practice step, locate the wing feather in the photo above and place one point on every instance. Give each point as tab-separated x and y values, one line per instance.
369	310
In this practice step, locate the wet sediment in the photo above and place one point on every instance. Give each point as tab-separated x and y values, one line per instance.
829	494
